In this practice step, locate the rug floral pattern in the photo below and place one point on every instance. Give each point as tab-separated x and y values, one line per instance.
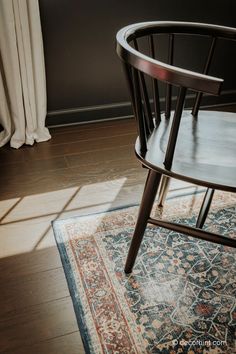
180	297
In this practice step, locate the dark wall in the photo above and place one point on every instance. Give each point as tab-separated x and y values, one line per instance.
79	40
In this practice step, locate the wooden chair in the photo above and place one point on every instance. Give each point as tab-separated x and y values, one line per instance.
195	146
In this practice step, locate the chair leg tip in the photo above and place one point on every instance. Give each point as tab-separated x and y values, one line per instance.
128	270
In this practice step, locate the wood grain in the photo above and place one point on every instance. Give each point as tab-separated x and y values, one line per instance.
36	324
67	344
83	169
27	291
26	264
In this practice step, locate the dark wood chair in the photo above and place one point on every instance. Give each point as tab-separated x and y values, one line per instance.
196	146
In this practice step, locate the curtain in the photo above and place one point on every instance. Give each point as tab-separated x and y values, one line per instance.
22	74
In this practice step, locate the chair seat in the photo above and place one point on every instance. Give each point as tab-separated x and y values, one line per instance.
205	152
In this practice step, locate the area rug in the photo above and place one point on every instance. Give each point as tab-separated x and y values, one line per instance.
181	295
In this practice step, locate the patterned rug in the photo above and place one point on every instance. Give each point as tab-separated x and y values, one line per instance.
181	296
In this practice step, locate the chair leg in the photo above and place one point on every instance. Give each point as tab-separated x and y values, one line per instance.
205	208
149	194
164	187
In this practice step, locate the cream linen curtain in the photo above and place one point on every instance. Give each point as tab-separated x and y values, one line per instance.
22	74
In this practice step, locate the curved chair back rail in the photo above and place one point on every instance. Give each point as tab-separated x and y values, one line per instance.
165	72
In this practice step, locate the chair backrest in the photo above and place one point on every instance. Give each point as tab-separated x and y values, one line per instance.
142	64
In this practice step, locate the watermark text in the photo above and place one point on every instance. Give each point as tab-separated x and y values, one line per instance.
199	342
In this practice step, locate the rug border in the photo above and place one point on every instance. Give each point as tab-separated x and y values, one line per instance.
79	313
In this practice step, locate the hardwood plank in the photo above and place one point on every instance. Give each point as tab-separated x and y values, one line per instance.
110	154
98	169
9	155
27	228
81	134
13	167
41	206
37	324
65	136
26	235
26	264
95	126
19	185
32	289
46	150
67	344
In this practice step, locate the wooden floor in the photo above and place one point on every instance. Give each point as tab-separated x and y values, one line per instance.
83	169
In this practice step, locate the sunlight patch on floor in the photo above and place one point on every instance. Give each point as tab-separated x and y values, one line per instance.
25	223
6	206
21	237
38	205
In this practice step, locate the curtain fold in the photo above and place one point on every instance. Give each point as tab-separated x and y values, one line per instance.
22	74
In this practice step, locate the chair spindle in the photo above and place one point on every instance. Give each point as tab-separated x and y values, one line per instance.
198	98
139	112
156	97
175	128
128	75
168	86
146	102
